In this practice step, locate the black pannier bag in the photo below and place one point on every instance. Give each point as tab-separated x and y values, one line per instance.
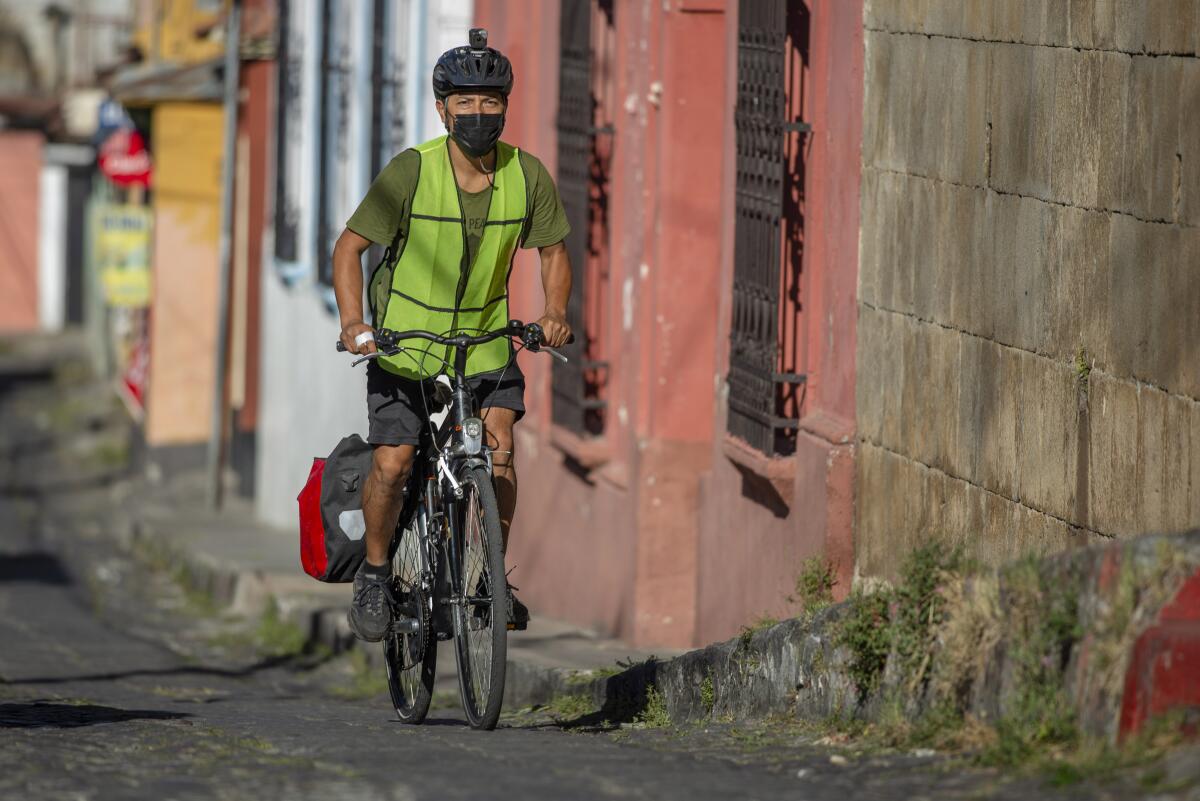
332	529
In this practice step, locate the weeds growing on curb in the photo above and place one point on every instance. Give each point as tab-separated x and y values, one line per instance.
902	621
919	648
275	636
708	694
866	633
934	647
570	707
814	585
748	632
1045	622
654	714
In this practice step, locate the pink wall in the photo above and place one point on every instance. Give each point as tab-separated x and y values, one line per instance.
752	550
574	534
647	531
20	171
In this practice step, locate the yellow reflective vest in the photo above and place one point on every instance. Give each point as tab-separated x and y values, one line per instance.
432	284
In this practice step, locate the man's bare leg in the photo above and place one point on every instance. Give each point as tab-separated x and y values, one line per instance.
383	496
499	427
383	493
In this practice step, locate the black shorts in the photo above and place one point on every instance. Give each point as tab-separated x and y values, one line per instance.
396	407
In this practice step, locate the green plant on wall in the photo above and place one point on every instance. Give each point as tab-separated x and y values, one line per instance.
1083	369
814	585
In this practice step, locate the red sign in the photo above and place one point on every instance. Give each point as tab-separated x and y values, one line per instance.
136	370
124	159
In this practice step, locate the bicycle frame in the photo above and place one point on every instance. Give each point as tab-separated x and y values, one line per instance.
452	452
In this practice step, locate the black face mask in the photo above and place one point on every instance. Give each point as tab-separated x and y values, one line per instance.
476	134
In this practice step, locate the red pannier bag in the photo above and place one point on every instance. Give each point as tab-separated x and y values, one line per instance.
331	519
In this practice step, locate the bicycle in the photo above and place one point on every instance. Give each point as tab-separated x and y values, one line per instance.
447	553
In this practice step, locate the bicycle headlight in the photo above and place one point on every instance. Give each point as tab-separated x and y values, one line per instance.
472	432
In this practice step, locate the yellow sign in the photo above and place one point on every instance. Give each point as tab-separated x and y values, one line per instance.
122	253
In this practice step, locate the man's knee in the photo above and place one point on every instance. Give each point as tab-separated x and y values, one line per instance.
393	463
500	440
499	428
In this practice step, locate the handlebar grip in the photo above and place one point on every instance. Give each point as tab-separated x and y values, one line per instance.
570	339
340	347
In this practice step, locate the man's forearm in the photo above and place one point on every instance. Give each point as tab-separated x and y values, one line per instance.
556	280
348	282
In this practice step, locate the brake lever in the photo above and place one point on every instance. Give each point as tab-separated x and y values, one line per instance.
555	354
374	355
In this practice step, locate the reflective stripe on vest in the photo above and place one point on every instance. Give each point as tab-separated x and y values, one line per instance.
434	288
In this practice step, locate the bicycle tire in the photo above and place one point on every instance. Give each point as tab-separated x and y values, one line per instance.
411	659
481	628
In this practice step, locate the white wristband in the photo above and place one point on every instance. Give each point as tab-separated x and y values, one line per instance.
364	337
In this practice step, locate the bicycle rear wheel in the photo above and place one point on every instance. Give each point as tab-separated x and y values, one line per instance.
481	615
411	658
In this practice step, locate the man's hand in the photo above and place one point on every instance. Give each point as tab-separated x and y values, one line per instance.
555	328
352	330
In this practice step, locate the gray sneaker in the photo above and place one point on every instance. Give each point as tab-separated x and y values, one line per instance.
371	610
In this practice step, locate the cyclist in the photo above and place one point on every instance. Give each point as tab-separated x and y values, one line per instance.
451	213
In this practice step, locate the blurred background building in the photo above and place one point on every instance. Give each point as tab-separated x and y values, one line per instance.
850	275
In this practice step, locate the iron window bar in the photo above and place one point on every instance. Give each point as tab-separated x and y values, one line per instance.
576	385
758	390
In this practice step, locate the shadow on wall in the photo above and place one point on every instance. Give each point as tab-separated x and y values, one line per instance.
760	490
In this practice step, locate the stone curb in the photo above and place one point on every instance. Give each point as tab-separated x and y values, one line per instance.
797	668
793	668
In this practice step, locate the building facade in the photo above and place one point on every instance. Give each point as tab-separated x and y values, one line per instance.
836	292
352	91
675	480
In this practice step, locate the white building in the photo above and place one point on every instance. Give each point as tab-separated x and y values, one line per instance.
355	90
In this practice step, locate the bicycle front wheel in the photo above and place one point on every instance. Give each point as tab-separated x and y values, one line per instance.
481	612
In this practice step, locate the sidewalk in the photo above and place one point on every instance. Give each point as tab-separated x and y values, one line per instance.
244	565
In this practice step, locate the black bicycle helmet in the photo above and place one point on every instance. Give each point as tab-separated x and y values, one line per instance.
475	66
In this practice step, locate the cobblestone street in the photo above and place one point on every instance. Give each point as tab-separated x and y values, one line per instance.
117	682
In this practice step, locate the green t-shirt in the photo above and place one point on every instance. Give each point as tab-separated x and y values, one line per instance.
384	211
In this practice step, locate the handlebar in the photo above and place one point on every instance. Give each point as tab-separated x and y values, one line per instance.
531	334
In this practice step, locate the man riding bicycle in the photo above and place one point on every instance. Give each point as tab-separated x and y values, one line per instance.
451	213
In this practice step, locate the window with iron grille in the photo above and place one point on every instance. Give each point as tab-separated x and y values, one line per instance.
335	49
584	151
288	108
387	87
387	81
766	384
333	141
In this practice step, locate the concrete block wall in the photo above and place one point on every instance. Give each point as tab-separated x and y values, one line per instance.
1030	201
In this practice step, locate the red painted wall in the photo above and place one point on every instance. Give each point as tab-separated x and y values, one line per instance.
20	172
755	532
650	532
254	121
574	534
